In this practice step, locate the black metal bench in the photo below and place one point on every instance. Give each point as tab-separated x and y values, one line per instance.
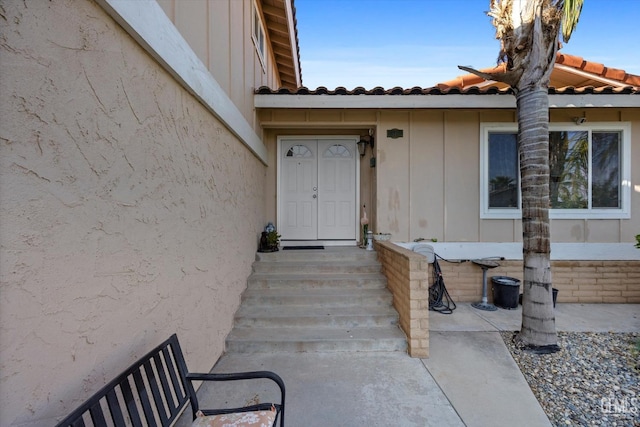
154	391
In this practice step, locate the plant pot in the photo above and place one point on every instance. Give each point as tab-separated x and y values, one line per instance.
505	291
382	237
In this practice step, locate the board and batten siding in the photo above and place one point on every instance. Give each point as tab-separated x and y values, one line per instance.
427	182
219	32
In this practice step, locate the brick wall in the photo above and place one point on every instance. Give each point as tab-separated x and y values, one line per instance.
576	281
409	277
408	280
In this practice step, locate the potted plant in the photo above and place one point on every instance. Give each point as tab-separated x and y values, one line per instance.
269	240
273	240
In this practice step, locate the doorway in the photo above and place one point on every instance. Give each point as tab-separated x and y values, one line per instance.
318	201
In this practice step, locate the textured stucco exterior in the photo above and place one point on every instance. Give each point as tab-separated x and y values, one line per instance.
128	212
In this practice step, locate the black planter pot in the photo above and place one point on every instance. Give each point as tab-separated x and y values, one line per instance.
266	244
505	291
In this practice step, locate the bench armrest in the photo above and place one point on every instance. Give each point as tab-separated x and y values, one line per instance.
239	376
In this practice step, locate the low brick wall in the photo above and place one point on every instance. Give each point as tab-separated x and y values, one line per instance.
576	281
408	279
409	276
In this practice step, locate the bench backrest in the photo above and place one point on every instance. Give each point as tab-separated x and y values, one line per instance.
151	392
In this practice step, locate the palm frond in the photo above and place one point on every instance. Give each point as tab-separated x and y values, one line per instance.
570	16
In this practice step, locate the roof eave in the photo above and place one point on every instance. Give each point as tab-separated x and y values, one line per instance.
284	41
587	75
460	101
293	38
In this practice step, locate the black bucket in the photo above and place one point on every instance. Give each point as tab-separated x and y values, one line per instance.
506	291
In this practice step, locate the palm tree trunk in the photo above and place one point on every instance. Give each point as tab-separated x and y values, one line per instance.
538	329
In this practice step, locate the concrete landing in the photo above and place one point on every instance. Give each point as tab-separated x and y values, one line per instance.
358	389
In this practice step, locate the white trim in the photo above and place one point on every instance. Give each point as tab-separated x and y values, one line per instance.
147	23
503	101
293	40
513	251
594	101
624	212
357	159
325	243
261	48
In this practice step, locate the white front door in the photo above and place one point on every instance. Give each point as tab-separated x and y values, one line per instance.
299	190
318	189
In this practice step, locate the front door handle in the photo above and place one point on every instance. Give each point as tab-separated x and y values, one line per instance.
315	195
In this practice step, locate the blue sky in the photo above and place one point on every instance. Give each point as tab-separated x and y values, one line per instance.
411	43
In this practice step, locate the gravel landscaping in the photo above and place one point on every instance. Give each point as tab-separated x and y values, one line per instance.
593	381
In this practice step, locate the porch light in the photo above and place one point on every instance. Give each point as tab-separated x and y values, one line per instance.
362	144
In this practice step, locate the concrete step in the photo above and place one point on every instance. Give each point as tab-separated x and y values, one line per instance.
317	297
319	317
316	300
310	281
364	266
305	339
328	254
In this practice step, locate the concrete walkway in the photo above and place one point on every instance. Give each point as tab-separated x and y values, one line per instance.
469	379
475	370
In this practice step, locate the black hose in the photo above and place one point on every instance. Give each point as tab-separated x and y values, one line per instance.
439	298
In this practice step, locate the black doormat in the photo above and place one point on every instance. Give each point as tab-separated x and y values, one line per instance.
293	248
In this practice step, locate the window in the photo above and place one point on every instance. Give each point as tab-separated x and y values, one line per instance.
589	169
337	151
503	171
258	37
299	151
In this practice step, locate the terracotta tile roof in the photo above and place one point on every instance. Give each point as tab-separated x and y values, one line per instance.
570	70
571	76
599	69
473	90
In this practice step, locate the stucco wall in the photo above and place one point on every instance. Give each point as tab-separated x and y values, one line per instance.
128	212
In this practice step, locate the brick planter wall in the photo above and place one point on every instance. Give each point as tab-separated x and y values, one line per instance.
576	281
408	278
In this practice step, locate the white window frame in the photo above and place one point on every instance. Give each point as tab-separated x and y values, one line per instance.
259	35
623	212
